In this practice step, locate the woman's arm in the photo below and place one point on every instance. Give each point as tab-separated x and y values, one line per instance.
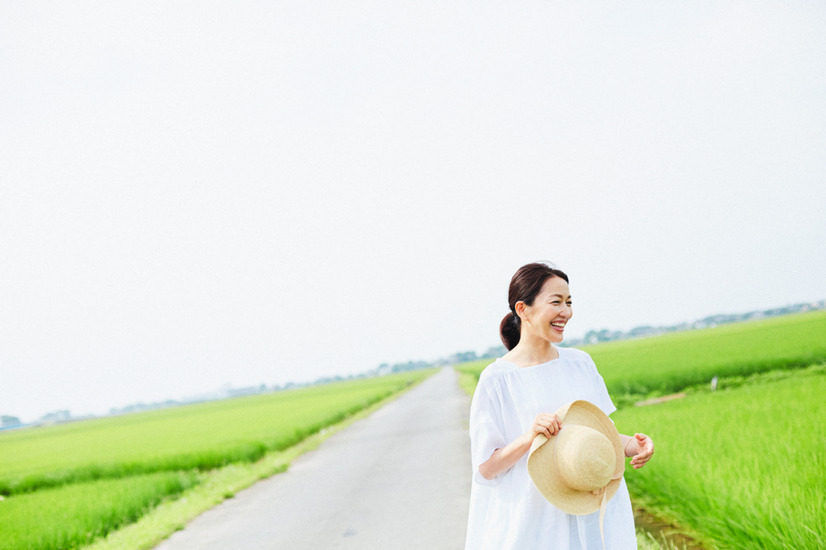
640	448
505	457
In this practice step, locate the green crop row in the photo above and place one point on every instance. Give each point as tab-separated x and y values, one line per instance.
675	361
202	436
74	515
745	468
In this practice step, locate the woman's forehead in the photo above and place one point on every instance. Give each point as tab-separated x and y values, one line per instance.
556	285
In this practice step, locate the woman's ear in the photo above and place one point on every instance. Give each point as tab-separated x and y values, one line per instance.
519	307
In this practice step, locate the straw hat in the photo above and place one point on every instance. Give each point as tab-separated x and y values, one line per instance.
579	469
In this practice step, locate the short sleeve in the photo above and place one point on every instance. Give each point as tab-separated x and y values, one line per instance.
485	430
603	400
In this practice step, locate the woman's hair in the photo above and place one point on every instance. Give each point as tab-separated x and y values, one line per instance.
525	286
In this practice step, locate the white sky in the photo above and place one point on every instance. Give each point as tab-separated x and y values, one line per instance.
195	194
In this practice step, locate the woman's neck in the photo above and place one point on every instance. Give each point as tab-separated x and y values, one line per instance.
529	353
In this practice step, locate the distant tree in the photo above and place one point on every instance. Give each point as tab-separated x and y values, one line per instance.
464	356
495	351
9	421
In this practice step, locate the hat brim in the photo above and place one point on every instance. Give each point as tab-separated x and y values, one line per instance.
545	473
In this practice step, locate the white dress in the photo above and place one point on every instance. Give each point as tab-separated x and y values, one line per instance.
508	512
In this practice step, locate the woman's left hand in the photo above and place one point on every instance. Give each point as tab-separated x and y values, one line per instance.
643	452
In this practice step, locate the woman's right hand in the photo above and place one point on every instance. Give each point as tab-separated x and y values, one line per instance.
503	458
547	424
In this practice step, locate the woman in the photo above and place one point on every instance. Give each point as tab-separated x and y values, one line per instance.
513	402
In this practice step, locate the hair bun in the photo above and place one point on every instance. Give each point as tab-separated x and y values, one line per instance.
510	330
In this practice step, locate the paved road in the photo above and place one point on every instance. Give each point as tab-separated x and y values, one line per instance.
397	479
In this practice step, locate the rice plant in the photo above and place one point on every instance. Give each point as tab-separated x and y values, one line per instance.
745	467
74	515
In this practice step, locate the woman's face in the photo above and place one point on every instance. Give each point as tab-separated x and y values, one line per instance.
550	312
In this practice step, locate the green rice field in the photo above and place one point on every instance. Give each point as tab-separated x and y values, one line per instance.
72	515
67	485
675	361
743	467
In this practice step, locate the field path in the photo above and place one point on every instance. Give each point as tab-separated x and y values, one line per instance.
398	479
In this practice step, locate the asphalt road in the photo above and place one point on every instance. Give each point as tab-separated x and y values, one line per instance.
397	479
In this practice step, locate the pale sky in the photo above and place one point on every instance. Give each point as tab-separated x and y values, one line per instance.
195	194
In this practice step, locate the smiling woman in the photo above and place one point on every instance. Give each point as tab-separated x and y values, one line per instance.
514	405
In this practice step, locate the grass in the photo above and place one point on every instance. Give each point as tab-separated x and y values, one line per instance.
74	515
649	541
246	439
744	467
672	362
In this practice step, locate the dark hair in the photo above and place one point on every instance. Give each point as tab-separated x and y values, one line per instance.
525	286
